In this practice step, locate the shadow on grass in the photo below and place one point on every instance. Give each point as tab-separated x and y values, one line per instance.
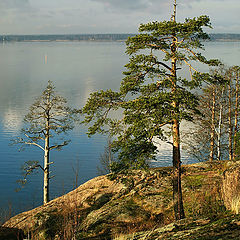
11	233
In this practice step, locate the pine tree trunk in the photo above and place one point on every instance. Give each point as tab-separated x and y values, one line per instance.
220	128
46	156
46	171
177	186
110	157
236	117
230	150
212	135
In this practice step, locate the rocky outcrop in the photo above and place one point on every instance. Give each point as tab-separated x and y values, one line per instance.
80	198
231	188
141	200
227	228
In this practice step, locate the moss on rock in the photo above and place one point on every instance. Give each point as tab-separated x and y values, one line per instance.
136	202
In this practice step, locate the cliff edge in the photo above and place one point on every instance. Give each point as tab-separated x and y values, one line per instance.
138	205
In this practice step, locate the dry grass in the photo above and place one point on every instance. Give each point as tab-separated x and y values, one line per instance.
230	190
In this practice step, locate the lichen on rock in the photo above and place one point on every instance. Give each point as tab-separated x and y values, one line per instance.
136	202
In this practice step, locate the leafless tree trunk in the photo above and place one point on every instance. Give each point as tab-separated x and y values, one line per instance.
236	114
212	134
46	172
230	150
46	155
220	126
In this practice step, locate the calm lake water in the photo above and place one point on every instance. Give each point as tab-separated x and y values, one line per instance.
77	69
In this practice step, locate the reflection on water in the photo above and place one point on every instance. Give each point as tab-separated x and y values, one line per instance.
77	69
12	121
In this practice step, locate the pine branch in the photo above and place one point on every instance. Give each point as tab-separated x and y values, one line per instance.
33	143
58	146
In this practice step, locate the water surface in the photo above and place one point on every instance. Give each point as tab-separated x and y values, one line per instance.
77	69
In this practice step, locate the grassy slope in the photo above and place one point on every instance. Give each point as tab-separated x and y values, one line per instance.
133	204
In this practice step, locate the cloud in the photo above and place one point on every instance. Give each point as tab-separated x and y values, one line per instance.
13	4
140	4
125	4
135	5
99	16
156	7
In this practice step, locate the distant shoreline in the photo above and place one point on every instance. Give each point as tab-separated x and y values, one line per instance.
219	37
215	40
123	40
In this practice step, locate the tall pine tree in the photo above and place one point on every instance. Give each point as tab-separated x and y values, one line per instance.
152	95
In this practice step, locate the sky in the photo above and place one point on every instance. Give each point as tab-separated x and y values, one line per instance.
109	16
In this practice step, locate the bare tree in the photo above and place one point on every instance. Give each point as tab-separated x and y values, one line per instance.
48	117
230	127
214	137
220	123
213	92
204	140
236	71
106	159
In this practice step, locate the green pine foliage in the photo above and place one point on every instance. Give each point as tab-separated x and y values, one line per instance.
143	105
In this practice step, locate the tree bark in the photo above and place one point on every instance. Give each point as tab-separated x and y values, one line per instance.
236	115
230	150
177	184
220	127
212	134
46	171
46	155
110	157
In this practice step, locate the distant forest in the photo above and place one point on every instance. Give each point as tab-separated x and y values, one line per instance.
66	37
96	37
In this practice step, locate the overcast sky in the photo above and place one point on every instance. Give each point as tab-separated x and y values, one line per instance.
109	16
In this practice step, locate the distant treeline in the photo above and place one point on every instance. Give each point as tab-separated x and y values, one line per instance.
66	37
225	37
97	37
